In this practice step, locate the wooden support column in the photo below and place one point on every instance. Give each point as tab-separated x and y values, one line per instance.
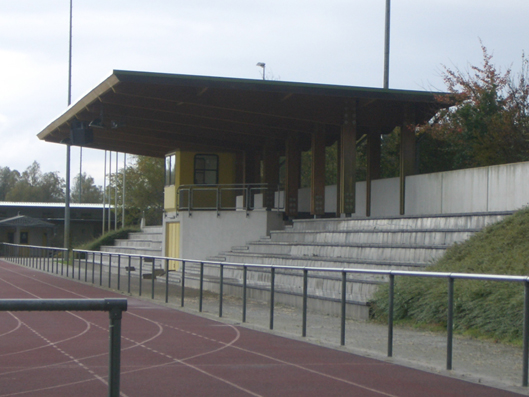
252	166
408	150
317	189
347	160
373	165
271	176
293	171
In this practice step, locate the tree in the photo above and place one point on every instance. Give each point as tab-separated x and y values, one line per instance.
90	193
144	190
8	179
34	186
485	121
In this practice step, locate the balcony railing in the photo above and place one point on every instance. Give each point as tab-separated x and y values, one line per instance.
233	197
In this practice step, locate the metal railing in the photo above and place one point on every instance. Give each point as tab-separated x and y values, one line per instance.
224	197
115	307
42	258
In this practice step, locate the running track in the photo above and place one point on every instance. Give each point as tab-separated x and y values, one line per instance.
166	352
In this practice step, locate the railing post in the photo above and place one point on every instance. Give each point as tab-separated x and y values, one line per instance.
272	293
152	278
344	308
305	299
183	290
244	276
119	272
221	287
128	274
109	270
391	302
101	268
115	316
141	276
525	375
86	267
166	280
201	291
450	323
93	266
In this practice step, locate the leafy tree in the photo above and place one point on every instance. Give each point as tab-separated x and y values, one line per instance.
34	186
90	193
486	118
144	190
8	180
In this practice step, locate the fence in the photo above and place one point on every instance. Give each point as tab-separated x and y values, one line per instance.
87	262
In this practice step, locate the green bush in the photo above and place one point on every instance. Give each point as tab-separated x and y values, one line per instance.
108	239
491	309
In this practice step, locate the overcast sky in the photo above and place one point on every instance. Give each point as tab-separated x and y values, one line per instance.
332	41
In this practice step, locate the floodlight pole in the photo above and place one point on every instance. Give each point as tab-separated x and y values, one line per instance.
386	45
67	193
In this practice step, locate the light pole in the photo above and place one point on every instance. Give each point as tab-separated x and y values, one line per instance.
67	193
386	45
262	65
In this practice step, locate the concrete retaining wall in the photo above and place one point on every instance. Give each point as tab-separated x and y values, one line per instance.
485	189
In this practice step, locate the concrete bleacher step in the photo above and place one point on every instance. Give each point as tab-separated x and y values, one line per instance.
397	243
147	242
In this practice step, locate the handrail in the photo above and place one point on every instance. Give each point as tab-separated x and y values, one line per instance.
214	197
304	270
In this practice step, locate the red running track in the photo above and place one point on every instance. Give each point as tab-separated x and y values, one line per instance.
166	352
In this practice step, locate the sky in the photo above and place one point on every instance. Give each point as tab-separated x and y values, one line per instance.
332	42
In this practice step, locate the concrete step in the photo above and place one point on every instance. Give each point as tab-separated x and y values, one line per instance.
397	236
358	251
465	221
326	262
138	243
131	250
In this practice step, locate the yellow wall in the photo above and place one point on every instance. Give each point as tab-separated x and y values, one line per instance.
169	199
172	244
184	173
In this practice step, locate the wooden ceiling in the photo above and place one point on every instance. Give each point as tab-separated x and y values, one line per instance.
152	114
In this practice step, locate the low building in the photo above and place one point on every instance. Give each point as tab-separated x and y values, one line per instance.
86	221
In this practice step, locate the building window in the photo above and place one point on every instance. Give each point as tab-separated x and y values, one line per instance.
170	161
206	169
11	237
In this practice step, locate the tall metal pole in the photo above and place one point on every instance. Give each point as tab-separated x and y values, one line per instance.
109	190
104	193
386	45
80	173
124	185
116	195
67	193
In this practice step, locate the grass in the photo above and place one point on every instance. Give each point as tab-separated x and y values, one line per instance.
108	238
484	309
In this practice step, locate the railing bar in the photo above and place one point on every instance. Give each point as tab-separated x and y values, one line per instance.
344	309
391	302
305	299
153	276
167	281
272	295
201	291
182	292
119	272
244	282
221	288
525	374
450	324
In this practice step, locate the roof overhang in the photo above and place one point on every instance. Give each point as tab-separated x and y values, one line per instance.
152	113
